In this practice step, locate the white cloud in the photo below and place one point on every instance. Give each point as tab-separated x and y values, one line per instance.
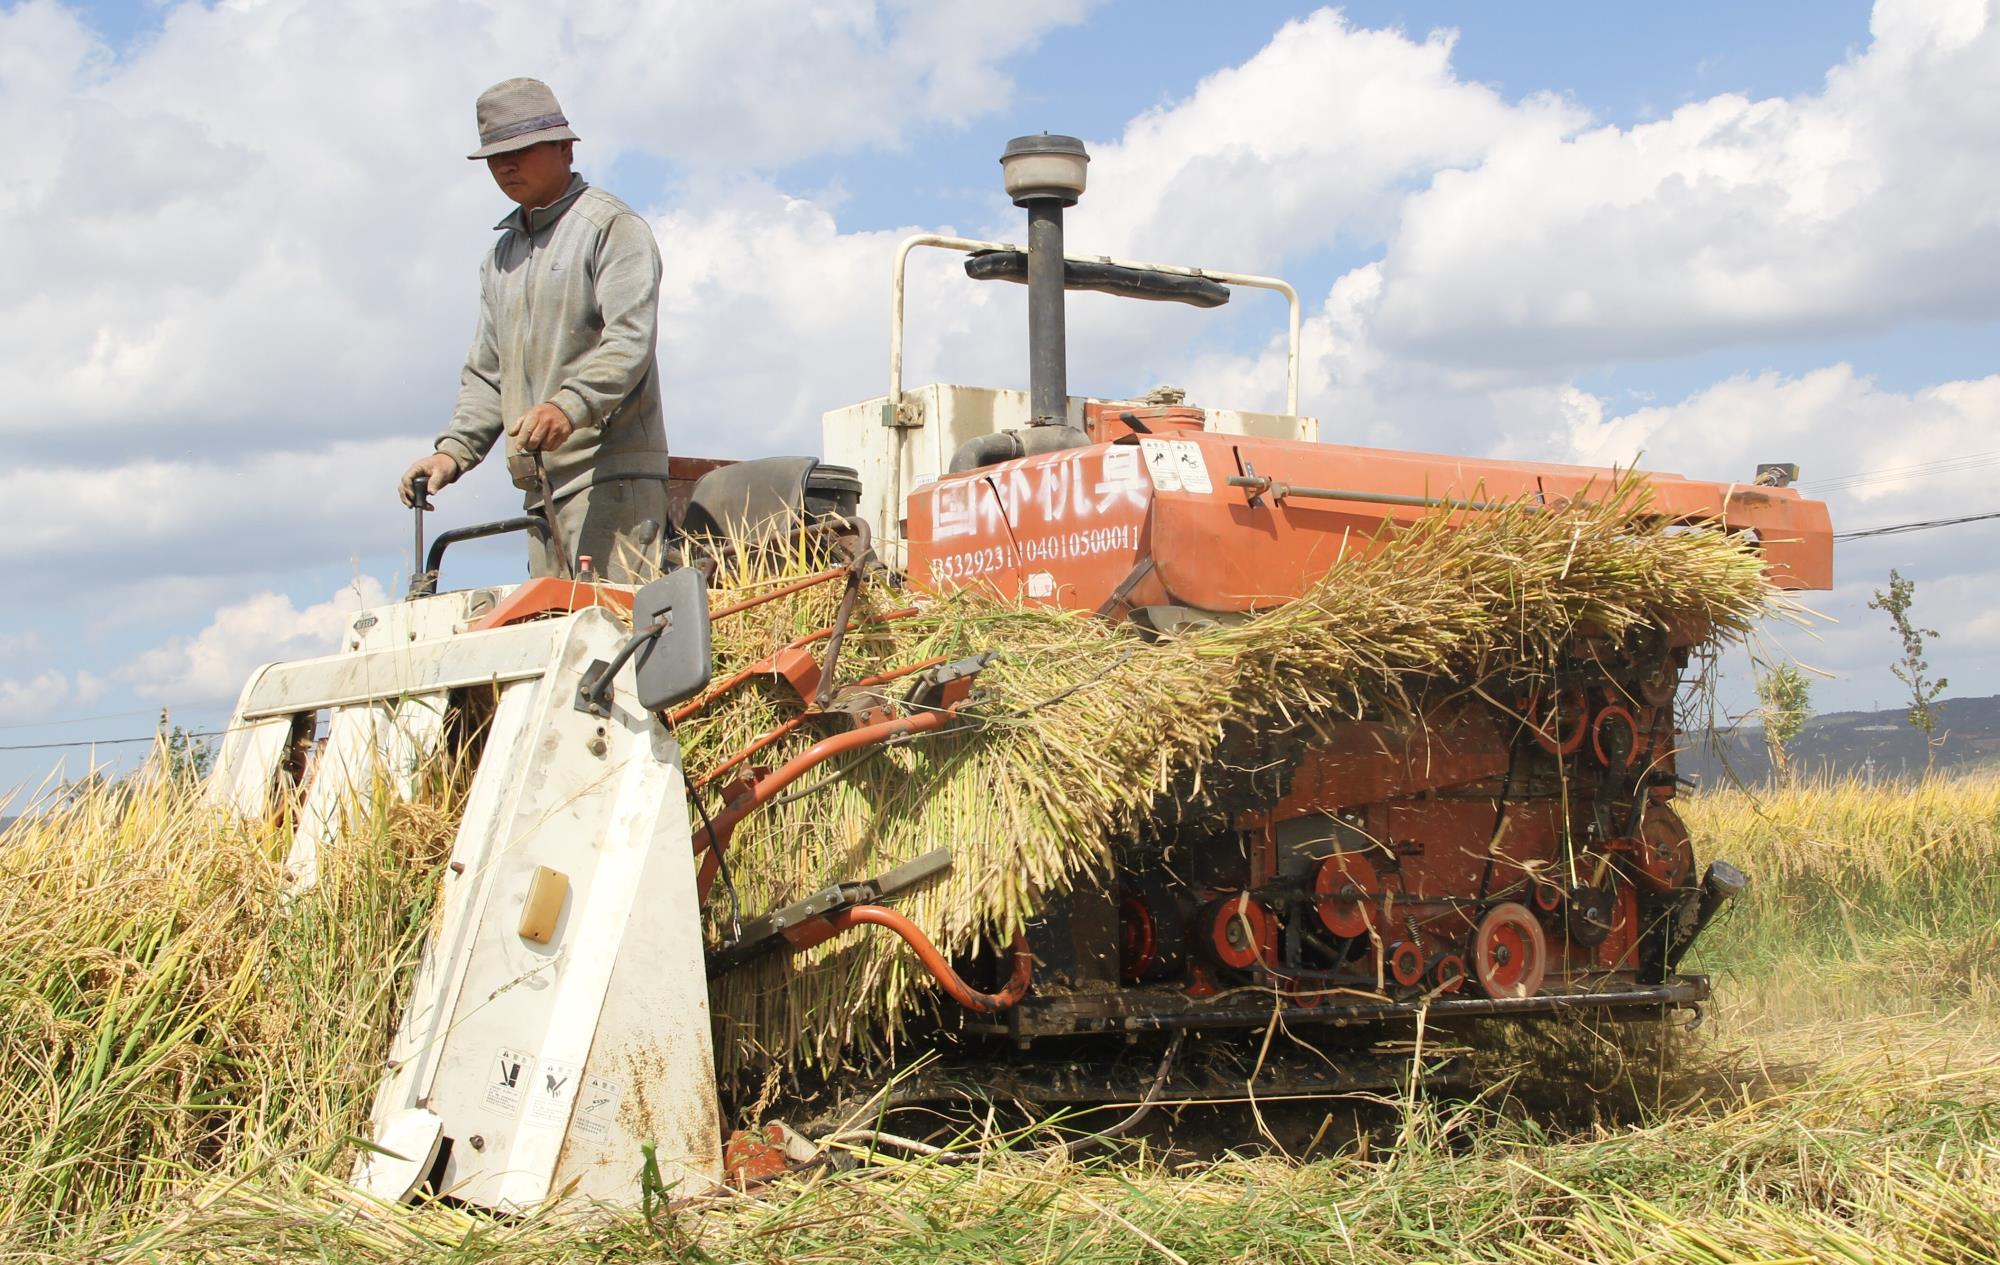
769	315
89	687
248	282
32	698
18	645
764	82
219	239
1848	435
1846	209
262	510
212	665
1839	424
1314	140
1520	244
46	694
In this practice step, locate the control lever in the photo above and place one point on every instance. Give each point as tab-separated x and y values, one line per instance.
422	583
549	513
530	474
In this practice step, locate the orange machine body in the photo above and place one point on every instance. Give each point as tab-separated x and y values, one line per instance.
1517	842
1152	519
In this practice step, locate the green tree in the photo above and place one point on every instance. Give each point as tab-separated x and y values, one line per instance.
1784	700
1911	669
184	754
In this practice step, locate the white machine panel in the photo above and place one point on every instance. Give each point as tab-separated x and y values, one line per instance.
550	1063
529	1060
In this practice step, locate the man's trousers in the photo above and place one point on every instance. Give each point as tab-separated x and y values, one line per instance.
620	524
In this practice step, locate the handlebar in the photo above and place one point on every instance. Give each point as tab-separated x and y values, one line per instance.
424	583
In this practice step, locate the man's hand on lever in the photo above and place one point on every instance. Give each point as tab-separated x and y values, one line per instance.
542	428
438	468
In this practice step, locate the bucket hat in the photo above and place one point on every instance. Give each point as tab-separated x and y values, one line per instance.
516	113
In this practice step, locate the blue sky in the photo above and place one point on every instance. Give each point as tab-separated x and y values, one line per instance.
246	328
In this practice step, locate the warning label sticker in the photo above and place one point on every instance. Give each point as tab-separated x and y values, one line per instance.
513	1071
1176	465
1162	464
598	1107
553	1092
1191	466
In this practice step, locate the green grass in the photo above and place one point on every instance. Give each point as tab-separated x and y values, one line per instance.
181	1056
1864	899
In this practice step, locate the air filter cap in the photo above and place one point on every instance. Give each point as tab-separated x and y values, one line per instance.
1044	168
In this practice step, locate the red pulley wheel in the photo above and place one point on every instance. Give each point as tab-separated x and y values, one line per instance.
1448	974
1510	954
1240	933
1406	964
1604	746
1343	885
1562	728
1666	857
1547	897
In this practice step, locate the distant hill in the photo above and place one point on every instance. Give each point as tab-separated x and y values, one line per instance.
1854	742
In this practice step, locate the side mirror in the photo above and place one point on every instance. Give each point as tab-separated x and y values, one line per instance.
674	664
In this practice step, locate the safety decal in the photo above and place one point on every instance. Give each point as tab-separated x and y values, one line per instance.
552	1093
1191	466
1162	464
598	1107
513	1072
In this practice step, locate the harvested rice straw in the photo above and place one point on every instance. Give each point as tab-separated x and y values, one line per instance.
1083	730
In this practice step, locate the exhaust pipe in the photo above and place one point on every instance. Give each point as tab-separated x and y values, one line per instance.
1723	883
1043	174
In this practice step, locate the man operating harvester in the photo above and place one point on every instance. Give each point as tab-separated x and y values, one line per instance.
563	361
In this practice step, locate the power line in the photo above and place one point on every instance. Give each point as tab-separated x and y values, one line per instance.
1897	474
1899	529
103	742
83	720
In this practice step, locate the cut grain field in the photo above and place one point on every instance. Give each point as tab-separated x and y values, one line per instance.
183	1057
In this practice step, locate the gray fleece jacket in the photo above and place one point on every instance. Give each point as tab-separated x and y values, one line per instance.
568	314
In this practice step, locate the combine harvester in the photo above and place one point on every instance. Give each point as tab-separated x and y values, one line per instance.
560	1016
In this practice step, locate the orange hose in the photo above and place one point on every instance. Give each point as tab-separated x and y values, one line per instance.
710	841
934	962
